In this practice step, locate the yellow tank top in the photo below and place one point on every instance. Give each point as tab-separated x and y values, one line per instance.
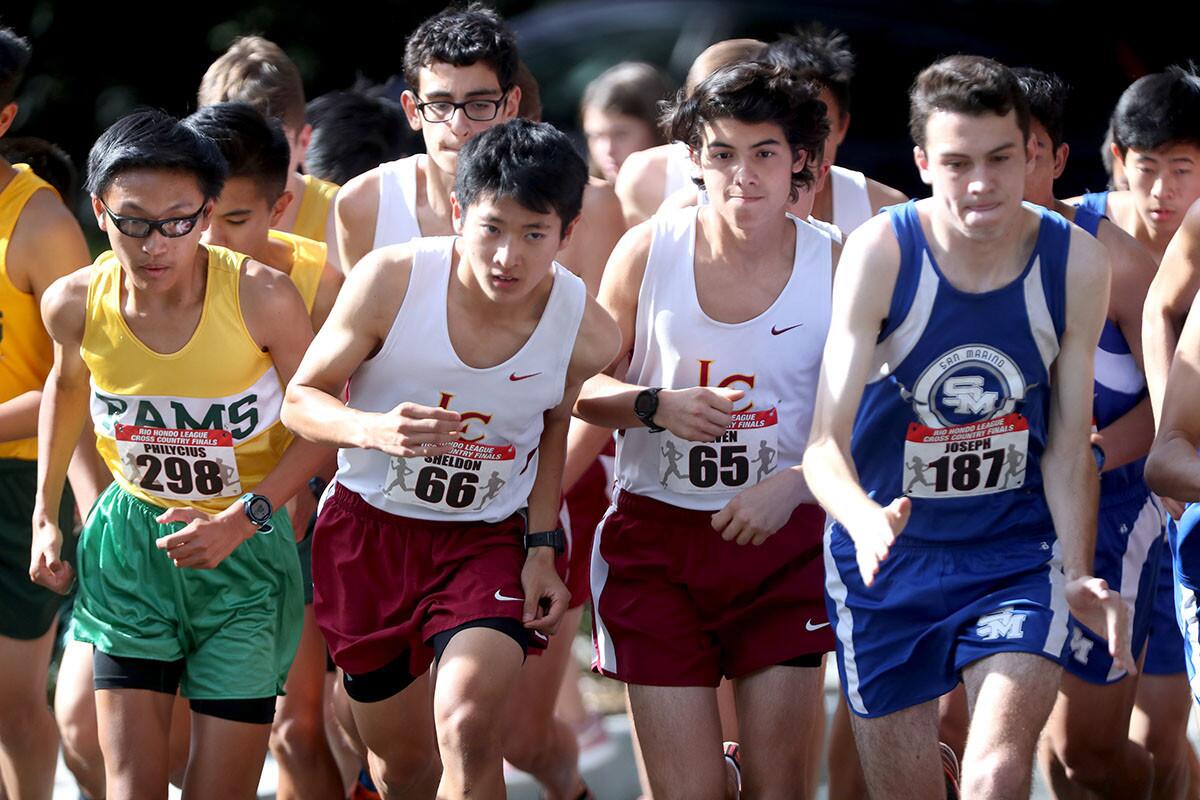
198	427
308	263
25	351
314	208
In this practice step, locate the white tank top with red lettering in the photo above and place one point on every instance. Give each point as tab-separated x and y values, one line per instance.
490	473
774	358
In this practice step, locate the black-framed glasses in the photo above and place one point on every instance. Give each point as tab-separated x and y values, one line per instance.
139	228
477	110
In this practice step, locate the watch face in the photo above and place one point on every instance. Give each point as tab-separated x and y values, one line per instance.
259	508
645	404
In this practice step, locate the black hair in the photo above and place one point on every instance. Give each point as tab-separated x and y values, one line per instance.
534	163
354	131
155	140
254	147
461	37
14	58
823	53
1047	96
1158	110
971	85
47	160
751	92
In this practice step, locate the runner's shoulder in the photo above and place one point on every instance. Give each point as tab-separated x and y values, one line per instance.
64	305
597	344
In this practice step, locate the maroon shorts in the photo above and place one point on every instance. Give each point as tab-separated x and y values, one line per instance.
384	585
676	605
586	503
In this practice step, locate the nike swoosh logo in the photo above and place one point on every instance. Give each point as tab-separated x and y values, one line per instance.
515	377
810	627
512	599
776	331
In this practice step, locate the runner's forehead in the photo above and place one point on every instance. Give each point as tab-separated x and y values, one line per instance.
446	81
154	193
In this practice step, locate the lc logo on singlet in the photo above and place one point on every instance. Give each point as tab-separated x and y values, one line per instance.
464	480
970	440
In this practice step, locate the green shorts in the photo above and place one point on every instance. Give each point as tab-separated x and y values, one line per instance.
26	610
237	626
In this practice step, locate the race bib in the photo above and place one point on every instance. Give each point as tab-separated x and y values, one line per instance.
178	464
746	453
466	479
966	460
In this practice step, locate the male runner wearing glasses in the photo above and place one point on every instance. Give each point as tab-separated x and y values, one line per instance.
187	577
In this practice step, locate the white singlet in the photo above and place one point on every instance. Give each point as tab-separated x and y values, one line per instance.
490	473
774	357
851	203
396	222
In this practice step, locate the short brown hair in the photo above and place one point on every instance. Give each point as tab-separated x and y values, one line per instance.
971	85
256	71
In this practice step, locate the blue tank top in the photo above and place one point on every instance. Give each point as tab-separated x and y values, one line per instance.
954	413
1095	202
1120	384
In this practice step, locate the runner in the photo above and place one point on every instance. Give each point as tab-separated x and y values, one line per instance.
257	71
992	277
845	198
39	242
492	398
619	115
137	335
1087	745
354	131
709	379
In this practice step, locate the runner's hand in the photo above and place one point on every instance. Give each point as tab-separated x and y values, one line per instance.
1104	611
46	568
873	538
206	540
411	431
699	414
546	597
754	515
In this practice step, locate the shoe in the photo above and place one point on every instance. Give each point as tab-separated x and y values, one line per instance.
733	754
949	770
364	788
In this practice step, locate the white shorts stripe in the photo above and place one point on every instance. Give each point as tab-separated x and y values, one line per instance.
1147	528
1056	633
845	624
606	653
1191	634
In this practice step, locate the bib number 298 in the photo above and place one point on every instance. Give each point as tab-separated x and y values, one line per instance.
178	476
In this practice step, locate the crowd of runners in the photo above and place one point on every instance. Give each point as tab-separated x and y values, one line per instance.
332	448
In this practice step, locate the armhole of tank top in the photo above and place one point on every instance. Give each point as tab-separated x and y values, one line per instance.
659	237
1056	240
420	276
903	217
212	297
94	301
25	190
576	295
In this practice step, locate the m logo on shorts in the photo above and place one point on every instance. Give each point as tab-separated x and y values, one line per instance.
1081	646
1005	624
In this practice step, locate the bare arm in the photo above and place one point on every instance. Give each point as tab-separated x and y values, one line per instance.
355	209
1167	304
1069	477
327	292
61	422
357	326
880	195
641	184
1173	469
335	258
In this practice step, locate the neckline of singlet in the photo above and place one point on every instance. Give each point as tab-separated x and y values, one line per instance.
208	282
694	289
1043	220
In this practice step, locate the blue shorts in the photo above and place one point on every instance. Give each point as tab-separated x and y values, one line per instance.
1128	551
937	607
1185	555
1164	651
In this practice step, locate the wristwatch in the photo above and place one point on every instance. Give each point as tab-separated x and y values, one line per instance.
1098	454
555	538
258	510
645	406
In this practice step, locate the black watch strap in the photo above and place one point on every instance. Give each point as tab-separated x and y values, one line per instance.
556	538
645	406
